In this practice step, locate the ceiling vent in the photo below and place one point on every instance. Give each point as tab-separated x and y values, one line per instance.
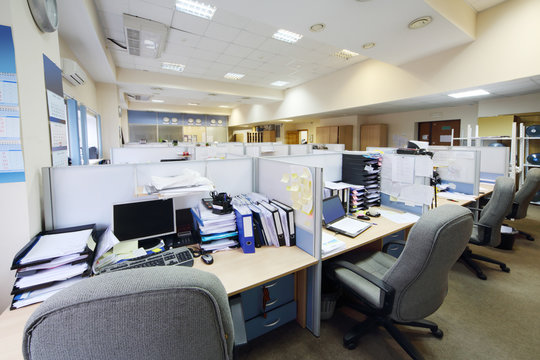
138	97
72	72
144	37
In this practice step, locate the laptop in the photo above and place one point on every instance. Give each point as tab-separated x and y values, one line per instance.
336	220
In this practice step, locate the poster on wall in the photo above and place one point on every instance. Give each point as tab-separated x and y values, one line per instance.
11	155
57	113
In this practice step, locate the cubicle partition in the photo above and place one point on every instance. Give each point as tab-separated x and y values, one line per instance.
330	162
301	187
300	149
459	169
134	155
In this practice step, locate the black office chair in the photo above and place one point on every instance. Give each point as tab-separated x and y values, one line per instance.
408	289
487	232
164	312
524	196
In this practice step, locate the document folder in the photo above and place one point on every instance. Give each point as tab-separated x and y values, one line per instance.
244	222
277	222
290	220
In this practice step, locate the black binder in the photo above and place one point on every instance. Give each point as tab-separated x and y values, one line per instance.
290	220
277	222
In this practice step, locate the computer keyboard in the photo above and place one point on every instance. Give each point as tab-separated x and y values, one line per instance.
180	256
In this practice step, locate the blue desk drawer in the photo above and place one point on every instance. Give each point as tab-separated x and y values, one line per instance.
281	291
259	326
394	249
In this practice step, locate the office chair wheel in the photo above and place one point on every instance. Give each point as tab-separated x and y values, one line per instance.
505	268
438	333
350	345
529	237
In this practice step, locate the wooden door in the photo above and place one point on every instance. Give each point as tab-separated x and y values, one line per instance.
373	135
292	137
441	131
323	135
346	136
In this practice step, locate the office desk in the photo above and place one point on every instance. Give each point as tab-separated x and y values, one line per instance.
237	271
371	238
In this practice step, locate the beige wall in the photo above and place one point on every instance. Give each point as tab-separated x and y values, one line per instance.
494	56
107	99
21	209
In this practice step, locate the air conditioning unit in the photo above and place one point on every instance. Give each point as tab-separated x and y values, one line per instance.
144	37
72	72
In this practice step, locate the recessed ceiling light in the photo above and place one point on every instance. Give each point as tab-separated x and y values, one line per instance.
224	106
193	104
420	22
157	100
317	27
286	120
287	36
233	76
345	54
470	93
279	83
196	8
368	45
172	66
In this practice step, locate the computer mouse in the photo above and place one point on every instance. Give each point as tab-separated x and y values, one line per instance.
373	213
207	258
363	217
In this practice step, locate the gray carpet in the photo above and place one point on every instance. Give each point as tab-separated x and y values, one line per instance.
492	319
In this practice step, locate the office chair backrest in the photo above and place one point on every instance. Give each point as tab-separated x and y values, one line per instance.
164	312
495	211
526	192
420	275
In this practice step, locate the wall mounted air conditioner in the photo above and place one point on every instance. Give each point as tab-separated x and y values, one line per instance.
72	72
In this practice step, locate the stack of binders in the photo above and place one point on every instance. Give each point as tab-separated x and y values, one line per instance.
50	262
273	221
364	171
217	231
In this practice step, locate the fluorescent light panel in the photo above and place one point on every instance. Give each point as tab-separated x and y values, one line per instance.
193	104
157	100
279	83
196	8
233	76
345	54
173	66
287	36
471	93
224	106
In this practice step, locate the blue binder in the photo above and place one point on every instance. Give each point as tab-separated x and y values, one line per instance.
244	222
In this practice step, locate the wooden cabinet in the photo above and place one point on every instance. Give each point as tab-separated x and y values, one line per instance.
261	136
335	135
373	135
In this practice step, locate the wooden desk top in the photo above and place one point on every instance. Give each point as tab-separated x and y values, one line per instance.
237	271
383	228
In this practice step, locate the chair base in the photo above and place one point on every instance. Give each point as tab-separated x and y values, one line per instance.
526	235
468	258
350	340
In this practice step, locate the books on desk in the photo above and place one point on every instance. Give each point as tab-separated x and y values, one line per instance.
51	261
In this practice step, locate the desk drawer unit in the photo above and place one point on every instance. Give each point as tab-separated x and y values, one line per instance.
280	306
281	291
394	249
259	325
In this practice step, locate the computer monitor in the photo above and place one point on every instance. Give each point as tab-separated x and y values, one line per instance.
144	219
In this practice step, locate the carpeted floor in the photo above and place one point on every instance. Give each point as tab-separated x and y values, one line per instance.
493	319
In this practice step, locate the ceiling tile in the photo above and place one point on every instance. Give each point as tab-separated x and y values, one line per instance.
275	46
221	32
117	6
228	18
217	46
189	23
170	4
205	55
262	56
229	59
259	28
182	37
237	50
149	11
251	64
245	38
175	49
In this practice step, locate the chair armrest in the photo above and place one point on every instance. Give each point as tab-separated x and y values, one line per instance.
393	242
487	235
389	291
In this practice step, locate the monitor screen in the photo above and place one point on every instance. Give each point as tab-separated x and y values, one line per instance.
143	219
332	209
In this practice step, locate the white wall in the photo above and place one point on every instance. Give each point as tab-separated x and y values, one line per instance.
510	105
107	97
20	209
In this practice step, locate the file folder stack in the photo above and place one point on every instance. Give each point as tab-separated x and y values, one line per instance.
363	170
51	261
217	231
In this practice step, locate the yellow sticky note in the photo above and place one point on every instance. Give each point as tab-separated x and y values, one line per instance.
294	188
285	178
294	175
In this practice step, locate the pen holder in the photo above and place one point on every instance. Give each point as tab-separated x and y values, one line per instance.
221	203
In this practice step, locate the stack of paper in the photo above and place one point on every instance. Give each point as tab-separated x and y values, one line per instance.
51	262
364	172
330	244
213	228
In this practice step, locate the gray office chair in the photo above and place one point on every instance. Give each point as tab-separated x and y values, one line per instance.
524	196
164	312
487	232
406	290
